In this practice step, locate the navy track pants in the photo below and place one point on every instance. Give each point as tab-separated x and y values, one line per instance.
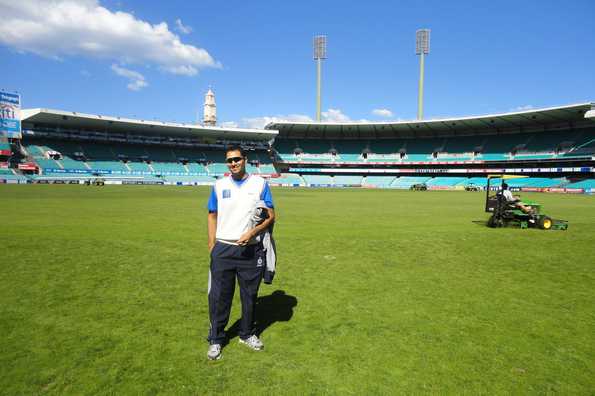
228	262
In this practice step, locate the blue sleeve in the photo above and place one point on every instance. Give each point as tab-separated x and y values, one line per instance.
212	205
266	196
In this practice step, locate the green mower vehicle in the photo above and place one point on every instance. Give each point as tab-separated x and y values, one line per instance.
419	187
507	214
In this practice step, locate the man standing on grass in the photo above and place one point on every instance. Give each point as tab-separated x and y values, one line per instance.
234	249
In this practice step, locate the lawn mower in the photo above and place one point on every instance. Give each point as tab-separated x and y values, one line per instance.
509	214
472	187
419	187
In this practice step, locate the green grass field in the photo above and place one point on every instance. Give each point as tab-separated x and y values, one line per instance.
103	290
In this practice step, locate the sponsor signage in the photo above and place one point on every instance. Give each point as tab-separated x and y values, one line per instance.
449	170
118	172
28	166
395	162
10	115
574	190
531	189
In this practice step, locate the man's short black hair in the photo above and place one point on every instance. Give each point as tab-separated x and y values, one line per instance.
235	147
504	186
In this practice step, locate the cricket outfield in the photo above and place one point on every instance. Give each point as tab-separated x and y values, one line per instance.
103	290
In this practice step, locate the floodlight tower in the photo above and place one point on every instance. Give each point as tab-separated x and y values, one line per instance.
319	55
422	47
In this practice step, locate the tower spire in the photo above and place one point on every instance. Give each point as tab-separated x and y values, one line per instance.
210	109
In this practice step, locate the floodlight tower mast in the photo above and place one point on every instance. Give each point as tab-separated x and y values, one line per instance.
422	47
319	55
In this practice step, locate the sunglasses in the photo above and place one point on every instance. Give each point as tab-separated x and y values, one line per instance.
234	159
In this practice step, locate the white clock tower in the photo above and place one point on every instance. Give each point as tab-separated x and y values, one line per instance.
210	109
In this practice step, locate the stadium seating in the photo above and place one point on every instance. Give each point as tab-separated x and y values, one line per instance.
194	167
454	157
36	151
5	146
131	151
378	181
463	144
189	179
98	151
108	165
251	169
48	163
540	182
70	164
506	147
532	156
133	160
217	169
347	180
18	178
267	169
477	181
318	180
445	181
161	154
288	179
350	157
168	167
138	166
405	182
585	184
493	157
166	163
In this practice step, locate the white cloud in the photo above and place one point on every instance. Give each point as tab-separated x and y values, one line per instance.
181	70
382	113
137	80
260	122
62	28
334	115
183	28
229	124
523	108
331	115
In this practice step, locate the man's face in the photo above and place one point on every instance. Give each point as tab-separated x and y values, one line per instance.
235	162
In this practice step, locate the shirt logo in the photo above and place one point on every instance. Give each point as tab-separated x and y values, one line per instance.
226	193
259	263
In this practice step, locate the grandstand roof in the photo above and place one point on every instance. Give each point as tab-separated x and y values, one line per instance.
91	122
518	121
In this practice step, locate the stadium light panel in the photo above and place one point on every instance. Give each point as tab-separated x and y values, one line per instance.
319	47
422	41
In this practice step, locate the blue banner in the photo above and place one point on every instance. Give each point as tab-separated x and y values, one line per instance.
10	115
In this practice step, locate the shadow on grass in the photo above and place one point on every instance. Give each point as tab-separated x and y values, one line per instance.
480	222
276	307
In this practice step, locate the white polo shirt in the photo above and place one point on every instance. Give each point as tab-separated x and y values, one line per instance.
508	196
235	201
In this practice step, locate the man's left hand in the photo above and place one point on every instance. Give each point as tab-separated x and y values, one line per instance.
245	238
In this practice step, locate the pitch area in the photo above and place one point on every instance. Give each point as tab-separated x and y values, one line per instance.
104	290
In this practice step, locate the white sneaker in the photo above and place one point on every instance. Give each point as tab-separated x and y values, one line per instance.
214	352
253	342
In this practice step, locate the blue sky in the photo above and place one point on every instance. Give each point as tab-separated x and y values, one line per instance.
155	60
